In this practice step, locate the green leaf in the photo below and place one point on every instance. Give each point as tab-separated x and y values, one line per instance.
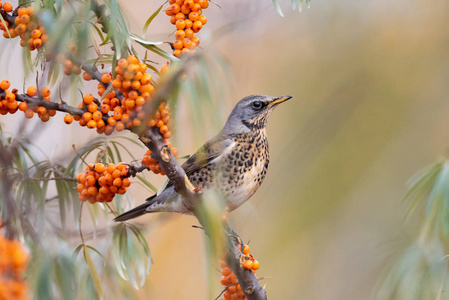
277	6
150	19
143	41
93	271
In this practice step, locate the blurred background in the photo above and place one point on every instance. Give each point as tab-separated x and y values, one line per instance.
370	109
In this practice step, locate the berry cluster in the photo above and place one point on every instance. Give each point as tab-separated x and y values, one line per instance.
152	164
187	16
9	103
135	88
32	33
100	183
13	263
248	261
229	280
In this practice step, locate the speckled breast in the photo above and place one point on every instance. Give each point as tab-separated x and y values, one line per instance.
243	167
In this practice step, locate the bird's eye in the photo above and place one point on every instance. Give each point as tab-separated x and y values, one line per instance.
257	105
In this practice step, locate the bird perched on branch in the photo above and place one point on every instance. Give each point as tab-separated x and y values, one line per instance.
234	162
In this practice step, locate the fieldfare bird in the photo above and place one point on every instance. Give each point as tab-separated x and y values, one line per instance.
234	162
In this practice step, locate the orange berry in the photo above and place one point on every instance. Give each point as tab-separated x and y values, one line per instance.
193	16
112	121
180	24
93	107
248	264
29	114
117	182
87	76
5	84
180	34
195	40
45	92
122	63
180	16
36	33
68	119
197	25
132	60
100	168
88	98
105	108
135	85
106	78
10	97
146	79
189	33
202	19
87	116
23	106
177	53
163	129
90	180
196	7
245	249
178	44
119	126
80	187
164	68
111	168
32	91
256	265
7	7
126	84
91	124
116	83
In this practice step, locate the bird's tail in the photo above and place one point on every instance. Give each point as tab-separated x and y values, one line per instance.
135	212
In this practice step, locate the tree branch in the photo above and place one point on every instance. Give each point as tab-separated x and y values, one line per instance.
168	163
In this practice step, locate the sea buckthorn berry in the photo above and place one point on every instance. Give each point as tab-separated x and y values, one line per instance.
122	63
23	106
32	91
7	7
87	76
197	25
256	265
45	92
245	249
248	264
29	114
36	33
5	84
180	16
195	40
202	19
180	24
189	33
68	119
106	78
88	98
100	168
91	124
87	116
116	84
146	79
119	126
92	107
180	34
189	23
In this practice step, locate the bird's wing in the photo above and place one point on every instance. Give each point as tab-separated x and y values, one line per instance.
206	154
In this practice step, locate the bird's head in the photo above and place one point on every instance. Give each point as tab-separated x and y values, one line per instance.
252	113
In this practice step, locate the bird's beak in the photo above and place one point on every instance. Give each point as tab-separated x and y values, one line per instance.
278	100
